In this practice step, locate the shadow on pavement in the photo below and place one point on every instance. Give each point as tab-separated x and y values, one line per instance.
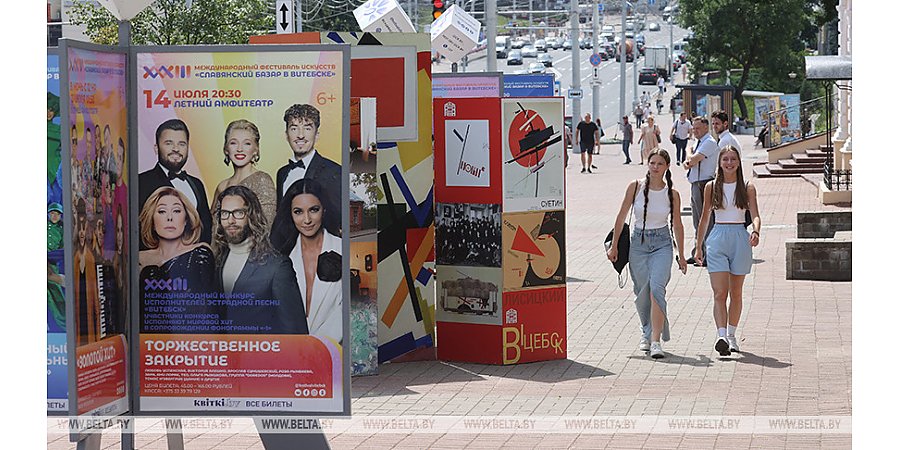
671	358
576	280
765	361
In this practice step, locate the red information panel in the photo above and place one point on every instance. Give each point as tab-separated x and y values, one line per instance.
534	325
467	150
101	376
236	372
468	342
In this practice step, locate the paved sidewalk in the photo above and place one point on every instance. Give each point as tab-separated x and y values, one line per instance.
795	337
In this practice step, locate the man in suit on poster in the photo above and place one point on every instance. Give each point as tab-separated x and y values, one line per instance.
247	264
301	124
172	147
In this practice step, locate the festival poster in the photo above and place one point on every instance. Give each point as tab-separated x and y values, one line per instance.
57	384
98	277
529	85
242	274
534	250
789	118
533	154
467	150
469	294
534	325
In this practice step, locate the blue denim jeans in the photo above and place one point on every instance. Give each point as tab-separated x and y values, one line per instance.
650	264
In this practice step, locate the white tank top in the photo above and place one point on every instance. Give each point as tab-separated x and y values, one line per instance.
658	209
731	213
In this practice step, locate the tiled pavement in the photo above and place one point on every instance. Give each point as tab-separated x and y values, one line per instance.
795	336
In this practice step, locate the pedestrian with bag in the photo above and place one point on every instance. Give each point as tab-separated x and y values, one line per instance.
729	255
638	115
656	206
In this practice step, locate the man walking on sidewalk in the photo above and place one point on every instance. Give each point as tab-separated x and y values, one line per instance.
681	131
701	169
627	138
587	137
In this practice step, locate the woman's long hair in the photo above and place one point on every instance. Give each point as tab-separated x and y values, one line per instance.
741	198
256	220
284	233
665	155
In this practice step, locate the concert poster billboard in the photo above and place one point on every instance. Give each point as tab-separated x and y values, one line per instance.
97	265
244	230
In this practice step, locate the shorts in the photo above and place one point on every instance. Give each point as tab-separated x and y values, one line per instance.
585	147
728	249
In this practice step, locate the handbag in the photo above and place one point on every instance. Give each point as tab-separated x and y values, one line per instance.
658	137
623	245
672	138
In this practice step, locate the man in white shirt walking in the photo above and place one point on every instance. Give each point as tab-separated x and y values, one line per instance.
701	169
681	131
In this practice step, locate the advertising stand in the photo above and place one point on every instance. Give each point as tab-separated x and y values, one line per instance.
500	229
196	249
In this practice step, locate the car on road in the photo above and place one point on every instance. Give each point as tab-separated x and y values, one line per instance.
609	50
585	44
529	51
607	37
540	45
648	75
514	58
553	43
546	60
536	67
653	26
567	44
518	43
608	29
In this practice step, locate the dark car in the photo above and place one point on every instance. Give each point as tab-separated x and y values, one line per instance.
648	76
546	59
514	58
609	50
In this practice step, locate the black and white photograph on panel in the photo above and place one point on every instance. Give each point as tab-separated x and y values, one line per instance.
468	234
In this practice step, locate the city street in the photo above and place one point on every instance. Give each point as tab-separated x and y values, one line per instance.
609	72
795	337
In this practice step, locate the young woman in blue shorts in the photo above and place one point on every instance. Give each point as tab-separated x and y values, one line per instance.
729	244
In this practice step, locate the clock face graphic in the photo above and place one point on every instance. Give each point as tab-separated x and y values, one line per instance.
468	153
533	250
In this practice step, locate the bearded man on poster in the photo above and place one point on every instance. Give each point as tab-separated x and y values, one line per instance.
172	147
246	263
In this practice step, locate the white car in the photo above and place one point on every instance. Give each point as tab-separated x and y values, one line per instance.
529	51
536	67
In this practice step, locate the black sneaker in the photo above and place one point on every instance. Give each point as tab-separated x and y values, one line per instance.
722	347
593	167
583	170
589	171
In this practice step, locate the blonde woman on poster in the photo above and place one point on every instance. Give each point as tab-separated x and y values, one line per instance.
299	232
242	153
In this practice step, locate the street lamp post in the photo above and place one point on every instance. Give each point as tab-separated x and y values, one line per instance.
576	63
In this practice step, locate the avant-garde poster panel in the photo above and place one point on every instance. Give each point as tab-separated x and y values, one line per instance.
98	277
534	325
534	250
242	277
469	295
467	154
57	385
406	295
533	154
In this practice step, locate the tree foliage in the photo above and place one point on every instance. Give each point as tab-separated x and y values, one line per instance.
171	22
762	34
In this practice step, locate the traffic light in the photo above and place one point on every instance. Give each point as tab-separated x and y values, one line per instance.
437	8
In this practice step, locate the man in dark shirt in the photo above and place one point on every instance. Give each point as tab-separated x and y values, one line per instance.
627	138
588	136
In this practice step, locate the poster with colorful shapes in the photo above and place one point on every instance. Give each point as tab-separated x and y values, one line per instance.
467	150
534	325
533	155
534	250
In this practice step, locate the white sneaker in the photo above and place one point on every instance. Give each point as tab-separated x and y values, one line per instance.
722	346
656	351
732	344
644	346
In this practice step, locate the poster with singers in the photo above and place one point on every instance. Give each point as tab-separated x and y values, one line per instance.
97	270
243	230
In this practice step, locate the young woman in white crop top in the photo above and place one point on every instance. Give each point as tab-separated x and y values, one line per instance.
729	256
656	206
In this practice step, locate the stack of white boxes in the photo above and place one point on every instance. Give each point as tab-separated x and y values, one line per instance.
454	34
381	16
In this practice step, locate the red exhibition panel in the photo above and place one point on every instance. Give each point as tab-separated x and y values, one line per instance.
469	342
467	150
383	79
101	373
534	325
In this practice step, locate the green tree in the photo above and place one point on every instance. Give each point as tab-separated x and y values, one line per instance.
170	22
762	34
